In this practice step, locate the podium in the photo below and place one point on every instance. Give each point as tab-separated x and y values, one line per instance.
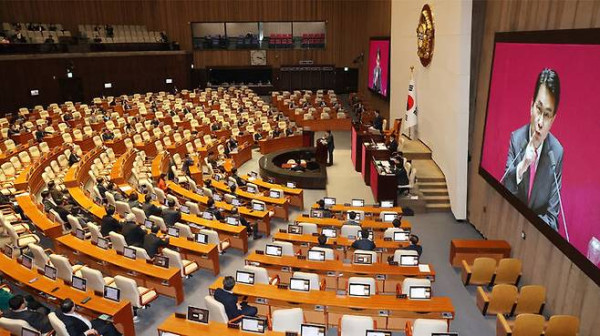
321	153
360	134
371	151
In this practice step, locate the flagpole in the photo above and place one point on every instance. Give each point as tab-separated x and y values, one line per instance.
411	129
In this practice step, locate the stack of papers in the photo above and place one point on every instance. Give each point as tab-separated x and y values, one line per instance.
424	268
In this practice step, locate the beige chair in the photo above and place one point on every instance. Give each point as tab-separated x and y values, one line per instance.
40	258
425	327
373	255
287	248
160	222
329	254
562	325
64	270
187	267
287	320
139	296
213	238
118	241
261	276
59	327
524	325
351	325
364	281
14	326
95	232
531	300
508	272
480	273
94	279
216	311
184	230
501	300
308	228
313	278
20	241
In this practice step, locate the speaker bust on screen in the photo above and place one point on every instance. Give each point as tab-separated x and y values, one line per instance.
534	164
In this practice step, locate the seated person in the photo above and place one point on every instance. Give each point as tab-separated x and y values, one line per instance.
101	188
230	300
326	212
77	324
211	208
397	222
364	243
171	215
132	232
132	200
117	193
257	136
152	243
162	182
251	228
109	223
149	208
322	241
18	311
240	182
401	175
352	219
414	244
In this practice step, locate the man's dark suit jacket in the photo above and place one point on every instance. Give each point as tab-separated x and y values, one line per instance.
229	301
134	234
378	123
412	247
393	146
544	194
133	204
363	244
76	327
151	210
171	217
330	143
109	223
152	243
35	319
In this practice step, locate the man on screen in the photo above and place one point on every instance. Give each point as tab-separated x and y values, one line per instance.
377	72
529	173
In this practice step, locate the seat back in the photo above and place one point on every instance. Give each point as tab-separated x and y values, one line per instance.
531	300
59	327
425	327
503	298
94	232
216	310
122	208
261	276
140	253
562	325
213	236
64	270
329	255
312	277
528	324
351	325
414	282
287	320
372	253
140	215
399	253
287	248
364	281
508	271
483	270
160	222
349	230
117	240
184	230
94	279
174	259
389	232
14	326
40	258
308	228
129	290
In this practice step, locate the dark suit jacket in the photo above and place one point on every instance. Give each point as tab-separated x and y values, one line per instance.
229	301
393	146
378	123
109	224
330	143
151	210
152	243
134	234
37	320
133	204
412	247
75	326
363	244
171	216
544	194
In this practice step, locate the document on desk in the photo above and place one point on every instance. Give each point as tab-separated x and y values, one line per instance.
424	268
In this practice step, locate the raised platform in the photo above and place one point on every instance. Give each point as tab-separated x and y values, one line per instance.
314	177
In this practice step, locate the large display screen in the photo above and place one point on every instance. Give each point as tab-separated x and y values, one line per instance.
541	138
379	66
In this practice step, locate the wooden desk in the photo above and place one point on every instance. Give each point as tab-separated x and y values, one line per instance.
383	186
167	282
377	226
48	227
121	312
326	307
272	145
369	152
375	210
296	195
470	249
341	245
185	327
359	135
242	155
336	272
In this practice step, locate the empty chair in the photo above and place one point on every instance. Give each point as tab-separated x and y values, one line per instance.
349	231
287	320
122	208
373	255
562	325
364	281
137	295
187	267
194	209
14	326
40	258
500	301
94	279
20	241
184	230
140	253
118	241
313	278
213	238
308	228
414	282
480	273
329	255
508	271
351	325
24	157
532	299
425	327
287	248
64	270
525	325
94	232
35	152
261	276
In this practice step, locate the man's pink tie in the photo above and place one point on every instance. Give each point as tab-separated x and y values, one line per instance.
532	169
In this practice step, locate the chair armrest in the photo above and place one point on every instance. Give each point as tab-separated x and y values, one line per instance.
466	272
48	251
483	300
148	290
236	319
323	284
274	280
408	330
502	326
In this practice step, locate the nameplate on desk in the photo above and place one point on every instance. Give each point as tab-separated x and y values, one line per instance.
316	234
331	273
383	313
393	263
380	277
261	252
283	230
401	296
285	269
387	239
233	326
282	286
291	333
261	300
254	263
319	308
304	244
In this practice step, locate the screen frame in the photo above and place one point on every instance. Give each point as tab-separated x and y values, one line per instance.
105	291
246	272
564	36
252	331
309	252
309	325
359	295
305	281
389	79
279	248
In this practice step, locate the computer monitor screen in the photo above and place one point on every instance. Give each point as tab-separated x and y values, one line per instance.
409	260
300	284
312	330
236	202
217	177
251	189
378	333
197	314
207	215
295	229
362	290
358	202
401	235
112	293
329	232
363	258
273	250
29	332
161	261
258	206
314	213
80	234
379	66
291	185
329	201
27	261
50	272
185	209
232	221
8	251
316	255
419	292
387	204
79	283
253	324
129	252
389	217
148	224
173	232
274	194
201	238
108	85
244	277
103	243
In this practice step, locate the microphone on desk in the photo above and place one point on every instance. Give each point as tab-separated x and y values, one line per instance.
562	212
512	163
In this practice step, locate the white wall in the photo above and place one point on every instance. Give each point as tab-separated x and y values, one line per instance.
442	87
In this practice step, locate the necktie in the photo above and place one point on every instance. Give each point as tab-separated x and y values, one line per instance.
532	170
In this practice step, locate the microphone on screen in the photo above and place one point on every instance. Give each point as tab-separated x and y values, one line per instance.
512	163
562	212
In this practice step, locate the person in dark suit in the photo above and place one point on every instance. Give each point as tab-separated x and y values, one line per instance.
231	145
109	223
73	158
401	175
47	201
132	200
364	243
240	182
322	240
378	121
133	233
326	212
39	134
414	245
152	242
101	188
79	325
393	145
18	311
251	228
330	147
230	301
529	172
351	219
171	215
149	208
210	207
187	163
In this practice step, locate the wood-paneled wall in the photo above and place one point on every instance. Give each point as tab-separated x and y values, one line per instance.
569	290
